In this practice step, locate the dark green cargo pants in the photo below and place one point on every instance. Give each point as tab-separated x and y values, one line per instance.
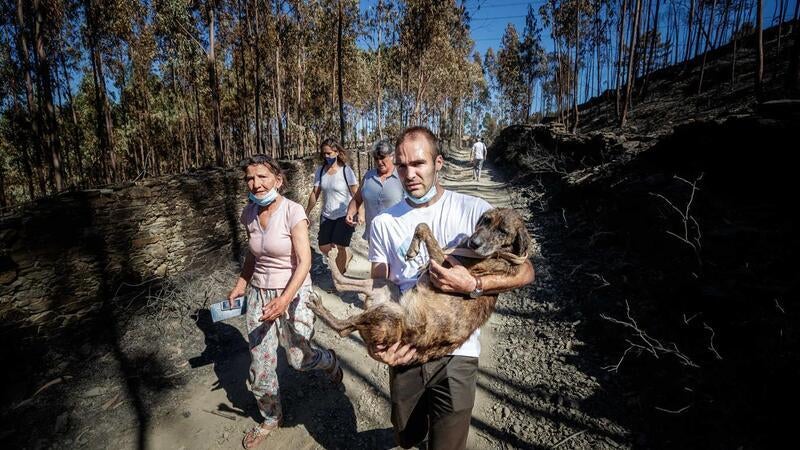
434	399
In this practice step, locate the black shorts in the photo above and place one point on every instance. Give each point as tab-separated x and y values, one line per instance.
335	231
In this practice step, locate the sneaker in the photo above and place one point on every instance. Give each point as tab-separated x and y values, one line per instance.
335	373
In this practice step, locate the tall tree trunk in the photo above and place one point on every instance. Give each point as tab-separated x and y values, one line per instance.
301	128
278	102
76	139
759	46
793	71
652	51
620	48
104	124
33	114
211	62
739	9
783	6
257	59
403	86
3	200
631	73
706	48
44	81
340	36
689	31
700	29
577	69
597	45
719	35
379	62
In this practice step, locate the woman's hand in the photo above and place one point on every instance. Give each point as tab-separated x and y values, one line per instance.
395	355
275	308
236	292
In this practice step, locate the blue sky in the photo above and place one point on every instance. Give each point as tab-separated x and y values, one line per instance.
490	18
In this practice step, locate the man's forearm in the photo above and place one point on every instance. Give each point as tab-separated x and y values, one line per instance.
494	284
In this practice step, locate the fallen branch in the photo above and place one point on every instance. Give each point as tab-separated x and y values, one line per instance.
691	235
601	279
677	411
217	413
711	339
568	438
41	389
645	342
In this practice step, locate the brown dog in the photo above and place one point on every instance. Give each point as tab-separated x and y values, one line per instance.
434	323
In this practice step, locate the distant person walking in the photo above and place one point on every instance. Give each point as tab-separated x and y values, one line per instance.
380	188
477	156
336	183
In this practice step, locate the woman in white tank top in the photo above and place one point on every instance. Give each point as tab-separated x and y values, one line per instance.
335	183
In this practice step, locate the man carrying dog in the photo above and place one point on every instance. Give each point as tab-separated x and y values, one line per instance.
434	399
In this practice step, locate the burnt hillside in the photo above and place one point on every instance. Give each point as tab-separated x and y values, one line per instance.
674	243
673	95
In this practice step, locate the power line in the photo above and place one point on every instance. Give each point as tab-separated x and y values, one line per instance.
497	18
502	5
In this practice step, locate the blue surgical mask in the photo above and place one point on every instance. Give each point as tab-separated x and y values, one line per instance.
267	200
425	198
330	161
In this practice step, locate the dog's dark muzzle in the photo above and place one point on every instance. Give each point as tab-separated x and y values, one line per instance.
474	242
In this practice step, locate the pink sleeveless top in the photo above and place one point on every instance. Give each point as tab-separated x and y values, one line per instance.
272	247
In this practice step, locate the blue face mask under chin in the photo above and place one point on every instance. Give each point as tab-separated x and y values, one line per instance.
425	198
267	200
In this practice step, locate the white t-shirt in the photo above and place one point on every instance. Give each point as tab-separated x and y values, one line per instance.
479	149
336	191
451	219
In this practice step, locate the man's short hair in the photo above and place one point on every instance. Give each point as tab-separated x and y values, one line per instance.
381	149
417	131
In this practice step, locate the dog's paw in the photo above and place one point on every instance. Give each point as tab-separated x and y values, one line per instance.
314	302
332	256
413	251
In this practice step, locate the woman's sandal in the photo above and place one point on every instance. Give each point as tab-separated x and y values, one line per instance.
257	435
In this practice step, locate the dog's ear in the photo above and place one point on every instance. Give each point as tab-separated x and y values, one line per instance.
522	242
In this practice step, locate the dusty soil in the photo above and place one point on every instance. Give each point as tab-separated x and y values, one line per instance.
161	375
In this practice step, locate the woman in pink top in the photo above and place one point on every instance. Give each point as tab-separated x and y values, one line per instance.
276	281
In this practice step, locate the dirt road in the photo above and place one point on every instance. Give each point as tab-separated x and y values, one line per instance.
182	385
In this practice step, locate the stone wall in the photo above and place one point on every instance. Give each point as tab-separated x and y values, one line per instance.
60	257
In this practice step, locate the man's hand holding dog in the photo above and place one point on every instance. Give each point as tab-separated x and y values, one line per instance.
395	355
455	280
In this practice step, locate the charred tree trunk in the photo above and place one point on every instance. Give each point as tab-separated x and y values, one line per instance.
620	47
759	47
104	123
631	73
211	62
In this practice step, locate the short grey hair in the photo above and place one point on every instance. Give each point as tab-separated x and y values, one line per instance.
382	149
